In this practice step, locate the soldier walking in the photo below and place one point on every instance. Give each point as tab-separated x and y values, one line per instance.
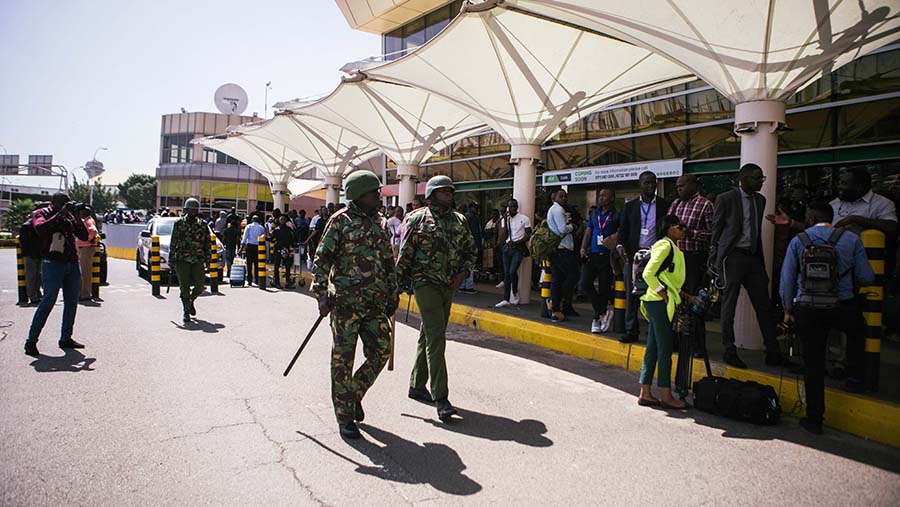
436	256
355	281
188	252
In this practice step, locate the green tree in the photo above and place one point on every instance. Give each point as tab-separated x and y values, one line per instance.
103	197
19	211
138	191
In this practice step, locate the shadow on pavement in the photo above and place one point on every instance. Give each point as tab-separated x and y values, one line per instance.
199	325
407	462
833	441
72	361
491	427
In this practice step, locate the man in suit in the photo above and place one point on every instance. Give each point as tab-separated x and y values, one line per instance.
737	252
638	230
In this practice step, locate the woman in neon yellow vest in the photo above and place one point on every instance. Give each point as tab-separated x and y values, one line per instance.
664	274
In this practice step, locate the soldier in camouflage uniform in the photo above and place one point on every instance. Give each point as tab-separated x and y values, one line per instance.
436	255
188	253
355	281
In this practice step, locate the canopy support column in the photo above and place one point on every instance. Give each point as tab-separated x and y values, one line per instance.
409	176
758	124
333	188
524	156
279	191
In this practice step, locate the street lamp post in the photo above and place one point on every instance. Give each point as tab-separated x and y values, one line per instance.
266	103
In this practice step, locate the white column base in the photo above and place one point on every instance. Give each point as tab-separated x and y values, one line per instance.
523	192
409	176
759	122
279	194
333	188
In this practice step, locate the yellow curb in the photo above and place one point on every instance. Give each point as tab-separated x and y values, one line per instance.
118	252
863	416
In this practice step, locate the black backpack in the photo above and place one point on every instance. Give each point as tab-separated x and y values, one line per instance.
641	259
819	276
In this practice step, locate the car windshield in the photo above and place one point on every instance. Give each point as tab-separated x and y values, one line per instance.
164	229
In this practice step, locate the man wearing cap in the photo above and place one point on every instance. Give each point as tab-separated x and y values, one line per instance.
436	255
354	280
188	252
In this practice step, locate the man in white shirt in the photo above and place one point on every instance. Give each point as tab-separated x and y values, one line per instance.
250	244
564	263
394	224
858	208
515	230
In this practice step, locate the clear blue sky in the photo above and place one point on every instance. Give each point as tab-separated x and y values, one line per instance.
81	74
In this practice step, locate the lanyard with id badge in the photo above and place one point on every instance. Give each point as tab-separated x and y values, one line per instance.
601	226
645	213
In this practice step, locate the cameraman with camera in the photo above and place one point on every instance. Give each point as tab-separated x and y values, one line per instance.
57	227
817	289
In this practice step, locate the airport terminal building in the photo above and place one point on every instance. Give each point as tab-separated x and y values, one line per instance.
849	117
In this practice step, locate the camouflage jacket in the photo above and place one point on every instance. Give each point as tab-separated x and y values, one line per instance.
190	241
354	265
436	246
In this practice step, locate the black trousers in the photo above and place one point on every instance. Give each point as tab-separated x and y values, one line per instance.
812	329
287	264
597	268
747	271
564	268
694	280
252	254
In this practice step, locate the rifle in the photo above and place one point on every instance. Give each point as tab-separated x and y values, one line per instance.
303	345
393	333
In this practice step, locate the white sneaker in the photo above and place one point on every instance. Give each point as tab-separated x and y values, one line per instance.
513	299
607	320
502	304
595	326
500	285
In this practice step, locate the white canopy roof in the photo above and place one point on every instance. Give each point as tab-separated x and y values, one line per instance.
408	124
524	75
273	146
278	164
748	50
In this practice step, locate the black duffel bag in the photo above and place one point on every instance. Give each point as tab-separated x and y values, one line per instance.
736	399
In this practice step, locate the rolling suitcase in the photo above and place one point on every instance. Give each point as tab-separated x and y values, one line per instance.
238	272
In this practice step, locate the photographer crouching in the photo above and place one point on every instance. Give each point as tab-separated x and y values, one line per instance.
57	227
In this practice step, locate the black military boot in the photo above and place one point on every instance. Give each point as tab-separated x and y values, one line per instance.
191	308
350	430
420	394
445	410
360	415
186	306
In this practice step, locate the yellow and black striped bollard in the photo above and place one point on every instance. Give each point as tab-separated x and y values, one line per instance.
619	302
546	279
213	265
20	273
873	241
95	274
261	268
155	278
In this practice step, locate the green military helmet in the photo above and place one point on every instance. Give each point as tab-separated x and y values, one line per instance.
192	204
360	183
437	182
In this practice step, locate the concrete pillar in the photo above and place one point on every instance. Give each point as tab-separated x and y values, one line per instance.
333	188
409	177
758	123
279	193
524	156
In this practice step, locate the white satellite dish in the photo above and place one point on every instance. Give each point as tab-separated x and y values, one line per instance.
231	99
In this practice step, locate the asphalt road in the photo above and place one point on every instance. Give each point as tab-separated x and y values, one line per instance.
156	413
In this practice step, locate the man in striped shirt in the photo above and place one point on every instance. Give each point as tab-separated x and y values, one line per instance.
696	213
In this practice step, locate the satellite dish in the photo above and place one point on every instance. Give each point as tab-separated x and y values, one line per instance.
231	99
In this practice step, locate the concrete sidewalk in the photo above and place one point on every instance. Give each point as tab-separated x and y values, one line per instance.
875	416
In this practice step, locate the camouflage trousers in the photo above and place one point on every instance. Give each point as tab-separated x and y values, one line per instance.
373	327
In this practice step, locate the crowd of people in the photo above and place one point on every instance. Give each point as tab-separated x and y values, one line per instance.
671	254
